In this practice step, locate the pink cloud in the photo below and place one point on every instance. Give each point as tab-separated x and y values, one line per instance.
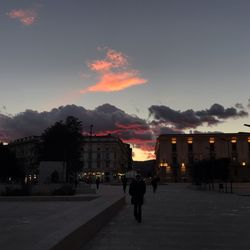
111	82
113	59
25	16
117	58
100	65
115	73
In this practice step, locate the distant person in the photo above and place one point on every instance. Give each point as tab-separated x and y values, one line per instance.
124	183
137	190
97	182
154	183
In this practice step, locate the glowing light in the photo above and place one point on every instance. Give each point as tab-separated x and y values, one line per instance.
190	140
183	167
173	140
211	140
233	140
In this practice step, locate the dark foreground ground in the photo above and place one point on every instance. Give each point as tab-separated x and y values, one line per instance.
178	217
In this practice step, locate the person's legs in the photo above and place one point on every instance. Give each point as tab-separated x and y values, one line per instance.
139	213
135	211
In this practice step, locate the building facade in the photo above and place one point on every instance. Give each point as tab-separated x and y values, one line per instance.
27	152
102	156
105	156
175	153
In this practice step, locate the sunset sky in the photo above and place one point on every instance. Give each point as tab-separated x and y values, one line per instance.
132	68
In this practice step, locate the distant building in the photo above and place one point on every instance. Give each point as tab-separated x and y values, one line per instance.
105	156
27	152
175	153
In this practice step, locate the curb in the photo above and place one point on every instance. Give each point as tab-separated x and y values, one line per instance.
78	238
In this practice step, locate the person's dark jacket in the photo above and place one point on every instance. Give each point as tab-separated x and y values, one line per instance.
137	190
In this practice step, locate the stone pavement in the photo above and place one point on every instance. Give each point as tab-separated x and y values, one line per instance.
61	223
178	217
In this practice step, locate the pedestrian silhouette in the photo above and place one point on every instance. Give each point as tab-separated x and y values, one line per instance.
154	183
97	182
137	190
124	183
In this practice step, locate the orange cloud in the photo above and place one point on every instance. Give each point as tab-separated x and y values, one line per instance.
113	59
111	82
115	74
118	59
25	16
100	65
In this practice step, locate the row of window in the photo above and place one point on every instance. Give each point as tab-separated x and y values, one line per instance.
211	140
211	147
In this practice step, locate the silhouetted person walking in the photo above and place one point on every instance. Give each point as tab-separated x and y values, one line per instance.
137	190
154	183
97	182
124	183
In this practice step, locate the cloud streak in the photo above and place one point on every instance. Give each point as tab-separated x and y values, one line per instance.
114	73
25	16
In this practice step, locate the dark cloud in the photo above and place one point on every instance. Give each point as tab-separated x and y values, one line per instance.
108	119
105	118
192	119
239	106
180	120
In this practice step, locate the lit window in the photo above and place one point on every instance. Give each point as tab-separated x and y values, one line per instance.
183	167
173	140
248	139
164	164
211	140
233	140
190	140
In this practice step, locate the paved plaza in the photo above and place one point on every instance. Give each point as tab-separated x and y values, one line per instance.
58	223
179	217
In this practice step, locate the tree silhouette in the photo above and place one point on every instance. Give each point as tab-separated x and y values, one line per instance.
62	142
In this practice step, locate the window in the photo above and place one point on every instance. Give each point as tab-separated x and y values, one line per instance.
211	140
173	141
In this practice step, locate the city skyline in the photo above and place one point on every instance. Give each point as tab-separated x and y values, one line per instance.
135	69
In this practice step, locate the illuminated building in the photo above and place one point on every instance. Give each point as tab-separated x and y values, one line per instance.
105	156
175	153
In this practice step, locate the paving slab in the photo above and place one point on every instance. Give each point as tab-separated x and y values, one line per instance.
177	217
